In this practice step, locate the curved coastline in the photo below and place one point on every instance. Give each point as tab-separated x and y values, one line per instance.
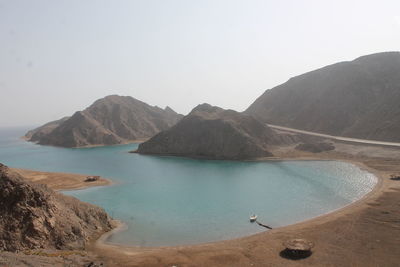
354	235
267	245
103	242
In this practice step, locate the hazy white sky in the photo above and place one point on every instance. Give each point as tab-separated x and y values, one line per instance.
57	57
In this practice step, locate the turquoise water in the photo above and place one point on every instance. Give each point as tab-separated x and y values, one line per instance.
171	201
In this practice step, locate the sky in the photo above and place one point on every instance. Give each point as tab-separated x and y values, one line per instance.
57	57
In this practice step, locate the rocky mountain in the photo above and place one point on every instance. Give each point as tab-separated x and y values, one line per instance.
33	216
359	99
212	132
36	134
110	120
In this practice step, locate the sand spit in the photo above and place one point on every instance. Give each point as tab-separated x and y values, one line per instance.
60	180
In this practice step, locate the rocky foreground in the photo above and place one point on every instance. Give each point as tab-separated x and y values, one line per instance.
214	133
108	121
35	217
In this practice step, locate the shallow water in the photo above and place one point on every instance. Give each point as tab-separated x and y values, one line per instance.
168	201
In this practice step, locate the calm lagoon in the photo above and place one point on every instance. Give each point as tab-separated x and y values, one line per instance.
167	201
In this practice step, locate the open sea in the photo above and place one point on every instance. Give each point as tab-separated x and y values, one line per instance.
166	201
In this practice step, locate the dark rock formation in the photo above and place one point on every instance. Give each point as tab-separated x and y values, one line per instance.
34	216
315	147
359	99
215	133
110	120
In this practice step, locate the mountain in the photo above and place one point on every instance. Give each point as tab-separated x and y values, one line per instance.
36	134
212	132
111	120
34	216
359	99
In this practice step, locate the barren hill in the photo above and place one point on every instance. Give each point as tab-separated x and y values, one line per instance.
110	120
359	99
212	132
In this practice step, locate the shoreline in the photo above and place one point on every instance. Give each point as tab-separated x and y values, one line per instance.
325	230
31	175
73	181
112	251
136	141
103	243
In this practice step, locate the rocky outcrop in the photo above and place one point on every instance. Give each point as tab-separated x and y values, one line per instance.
33	216
36	134
214	133
108	121
359	99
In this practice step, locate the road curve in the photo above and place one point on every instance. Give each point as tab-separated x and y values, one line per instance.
340	138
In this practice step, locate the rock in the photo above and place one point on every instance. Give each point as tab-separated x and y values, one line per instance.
395	177
36	134
93	178
358	99
35	217
298	244
297	249
108	121
214	133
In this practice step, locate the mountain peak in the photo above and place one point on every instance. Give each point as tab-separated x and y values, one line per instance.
110	120
170	110
205	107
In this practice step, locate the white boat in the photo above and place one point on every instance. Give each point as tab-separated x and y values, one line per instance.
253	218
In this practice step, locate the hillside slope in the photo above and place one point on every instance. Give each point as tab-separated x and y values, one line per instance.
212	132
359	99
34	216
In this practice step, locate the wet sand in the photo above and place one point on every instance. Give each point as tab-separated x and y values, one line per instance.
365	233
61	181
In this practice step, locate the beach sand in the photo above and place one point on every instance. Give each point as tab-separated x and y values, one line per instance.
61	181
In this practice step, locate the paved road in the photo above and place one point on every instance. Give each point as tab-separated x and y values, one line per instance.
340	138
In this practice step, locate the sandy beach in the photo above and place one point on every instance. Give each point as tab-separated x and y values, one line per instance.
61	181
364	233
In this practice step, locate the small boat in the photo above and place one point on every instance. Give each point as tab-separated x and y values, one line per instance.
253	218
